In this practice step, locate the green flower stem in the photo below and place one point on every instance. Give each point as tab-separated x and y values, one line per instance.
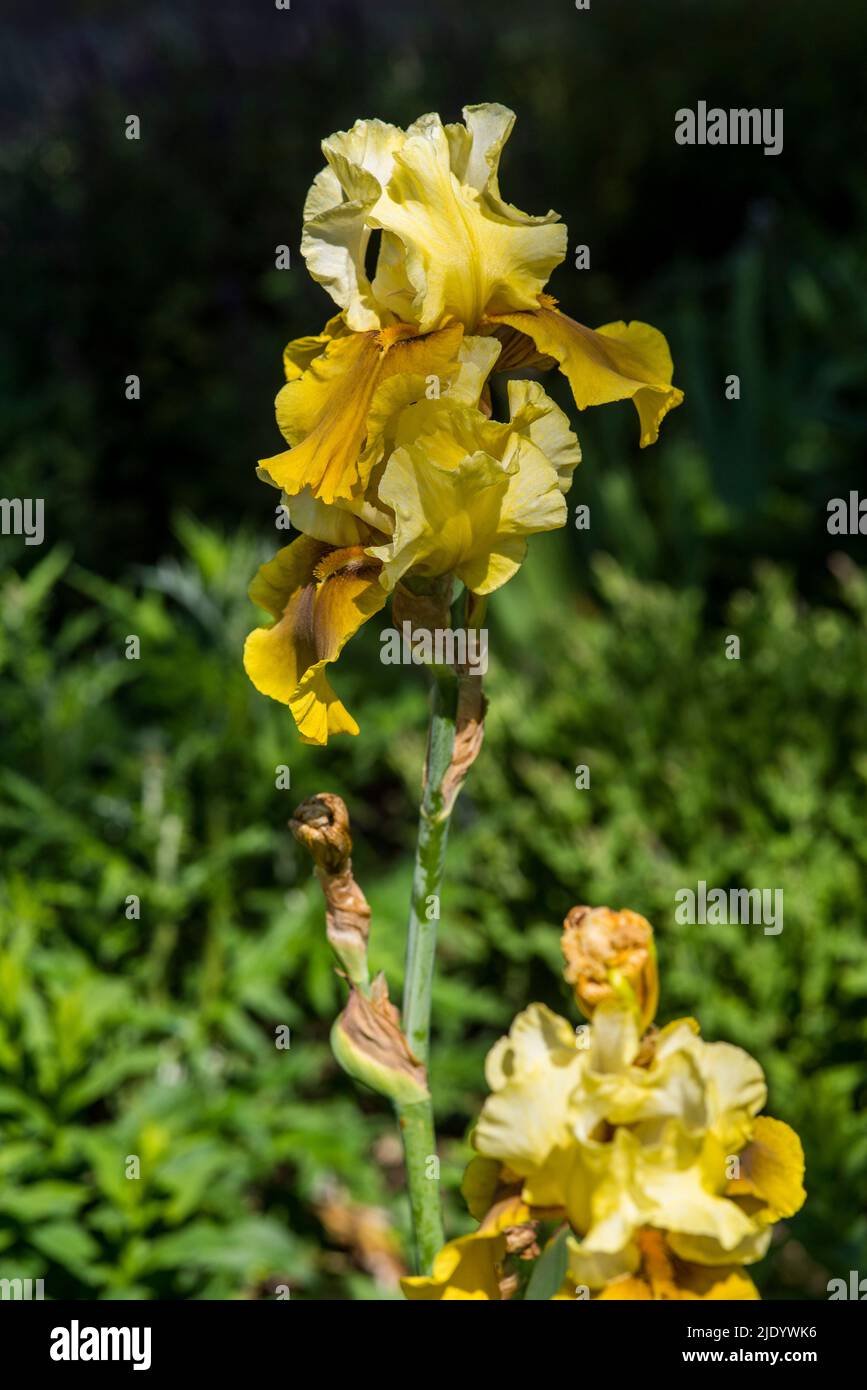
419	1144
430	854
416	1121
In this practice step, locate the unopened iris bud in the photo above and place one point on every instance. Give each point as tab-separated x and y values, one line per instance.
368	1043
611	955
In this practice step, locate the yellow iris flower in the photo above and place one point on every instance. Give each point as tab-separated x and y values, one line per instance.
451	491
650	1145
386	412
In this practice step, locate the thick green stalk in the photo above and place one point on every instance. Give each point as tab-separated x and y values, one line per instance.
430	854
419	1148
416	1121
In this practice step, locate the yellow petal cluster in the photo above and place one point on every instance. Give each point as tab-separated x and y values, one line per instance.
450	246
648	1146
386	415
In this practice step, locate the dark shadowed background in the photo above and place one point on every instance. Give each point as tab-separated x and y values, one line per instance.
154	1036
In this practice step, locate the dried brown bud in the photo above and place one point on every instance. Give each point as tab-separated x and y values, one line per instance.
321	825
611	955
521	1241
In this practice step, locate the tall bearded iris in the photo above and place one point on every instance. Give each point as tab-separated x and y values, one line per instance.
394	470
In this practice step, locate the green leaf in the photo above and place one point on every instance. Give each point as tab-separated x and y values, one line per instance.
40	1200
68	1244
550	1270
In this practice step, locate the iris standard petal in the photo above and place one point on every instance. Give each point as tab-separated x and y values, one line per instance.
451	247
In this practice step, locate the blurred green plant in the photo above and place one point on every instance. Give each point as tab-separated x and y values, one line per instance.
155	1036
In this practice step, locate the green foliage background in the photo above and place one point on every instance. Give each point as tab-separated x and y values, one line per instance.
156	778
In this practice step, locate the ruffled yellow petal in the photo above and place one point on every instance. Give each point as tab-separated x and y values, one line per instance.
597	1268
479	1184
562	1185
710	1088
771	1172
706	1251
733	1083
301	352
664	1277
464	1269
665	1178
323	412
319	598
359	520
647	1095
451	246
532	1074
342	523
535	415
617	362
608	1211
459	382
469	1268
736	1092
681	1187
466	252
336	227
466	492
